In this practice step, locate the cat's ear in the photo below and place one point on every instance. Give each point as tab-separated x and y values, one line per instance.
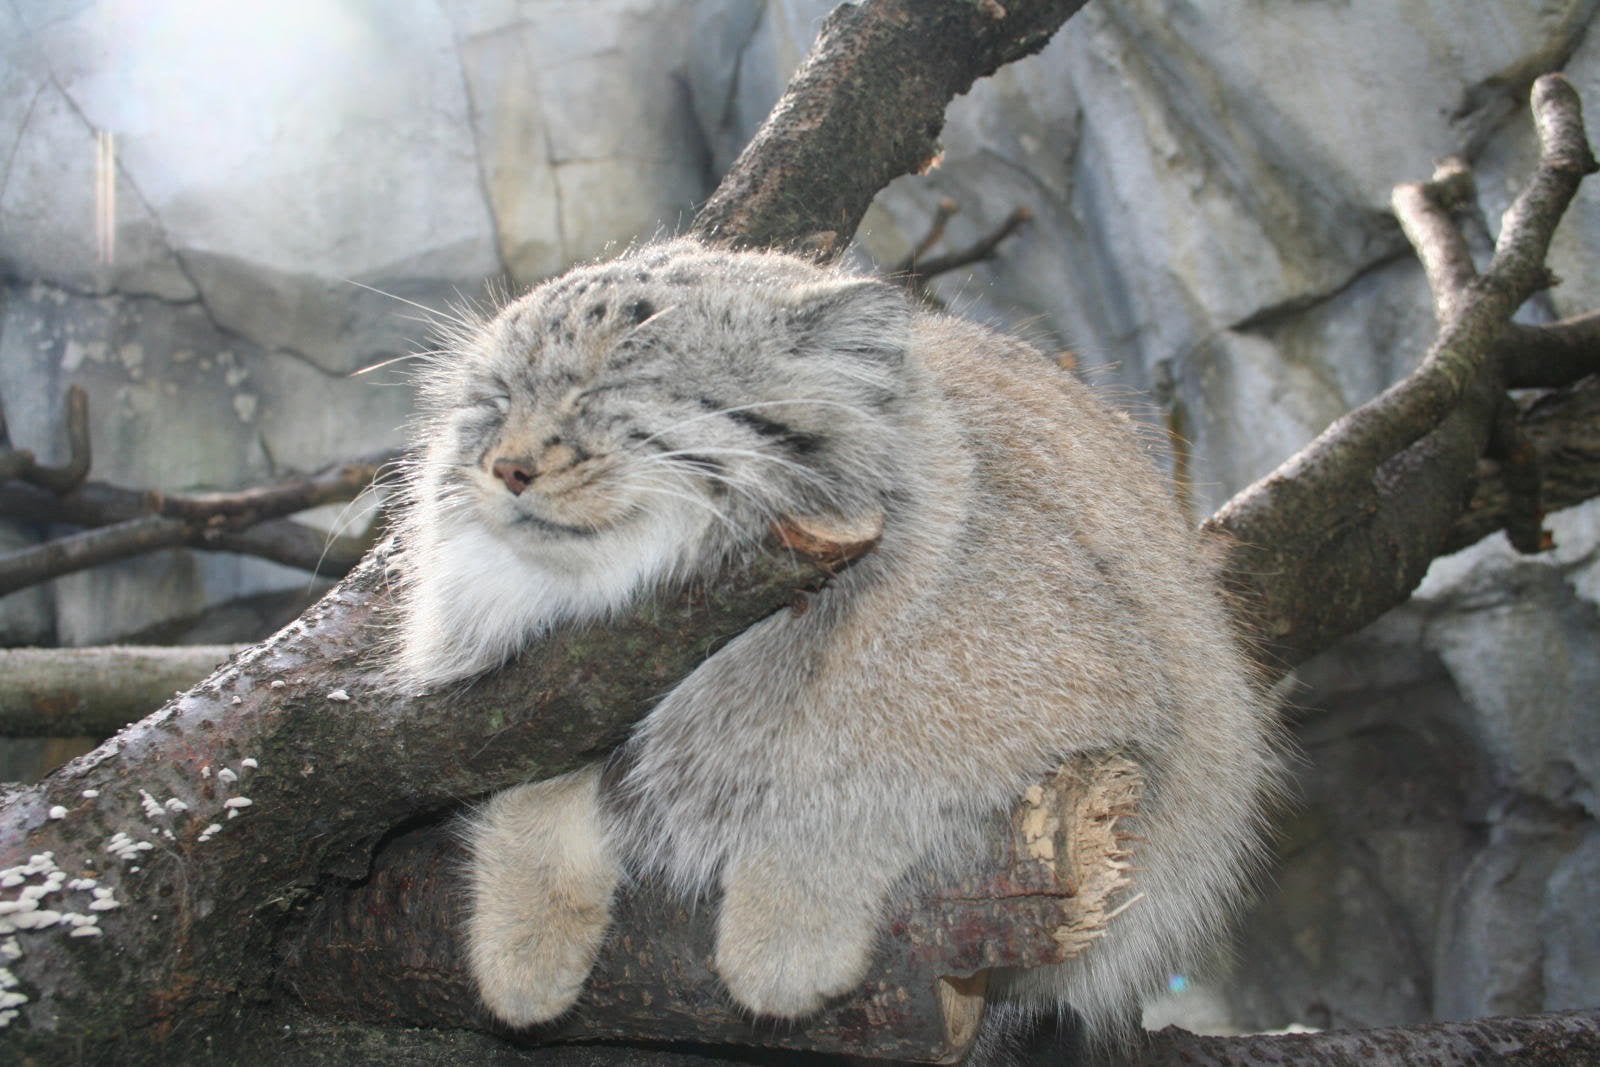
851	316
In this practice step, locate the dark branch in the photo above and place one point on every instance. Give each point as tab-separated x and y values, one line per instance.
806	179
20	463
131	522
1563	430
1543	357
980	250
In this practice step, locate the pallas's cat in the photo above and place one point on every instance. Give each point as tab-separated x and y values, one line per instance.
1035	594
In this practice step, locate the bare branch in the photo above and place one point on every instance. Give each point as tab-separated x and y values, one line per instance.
20	463
80	551
94	692
135	522
873	93
1345	528
1423	209
324	730
1049	889
1527	1041
942	213
1563	430
1560	353
977	252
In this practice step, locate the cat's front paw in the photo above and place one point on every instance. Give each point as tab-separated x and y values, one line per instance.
542	883
783	950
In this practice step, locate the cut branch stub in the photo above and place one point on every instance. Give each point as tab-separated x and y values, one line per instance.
831	542
1047	891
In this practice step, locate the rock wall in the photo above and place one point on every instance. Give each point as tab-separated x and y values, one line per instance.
1210	237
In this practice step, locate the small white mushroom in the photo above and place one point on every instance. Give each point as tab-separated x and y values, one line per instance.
205	772
85	931
9	949
237	700
237	802
58	812
90	793
277	683
11	1000
339	696
250	762
8	880
226	775
174	804
152	807
104	904
84	883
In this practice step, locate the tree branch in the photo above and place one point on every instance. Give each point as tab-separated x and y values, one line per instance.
904	59
134	522
1344	529
1535	357
20	463
94	692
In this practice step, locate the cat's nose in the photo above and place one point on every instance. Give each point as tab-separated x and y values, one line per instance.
517	474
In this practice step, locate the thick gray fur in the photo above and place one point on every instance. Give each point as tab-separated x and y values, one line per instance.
1035	594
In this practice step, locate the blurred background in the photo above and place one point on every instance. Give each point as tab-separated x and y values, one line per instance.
213	215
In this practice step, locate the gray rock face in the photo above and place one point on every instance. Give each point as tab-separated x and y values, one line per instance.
1209	187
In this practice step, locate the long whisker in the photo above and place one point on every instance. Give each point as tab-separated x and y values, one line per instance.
435	315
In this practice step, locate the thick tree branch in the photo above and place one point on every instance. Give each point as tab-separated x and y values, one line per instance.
306	729
1049	889
1555	1040
865	108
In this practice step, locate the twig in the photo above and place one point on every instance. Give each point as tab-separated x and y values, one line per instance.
21	464
976	252
942	213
